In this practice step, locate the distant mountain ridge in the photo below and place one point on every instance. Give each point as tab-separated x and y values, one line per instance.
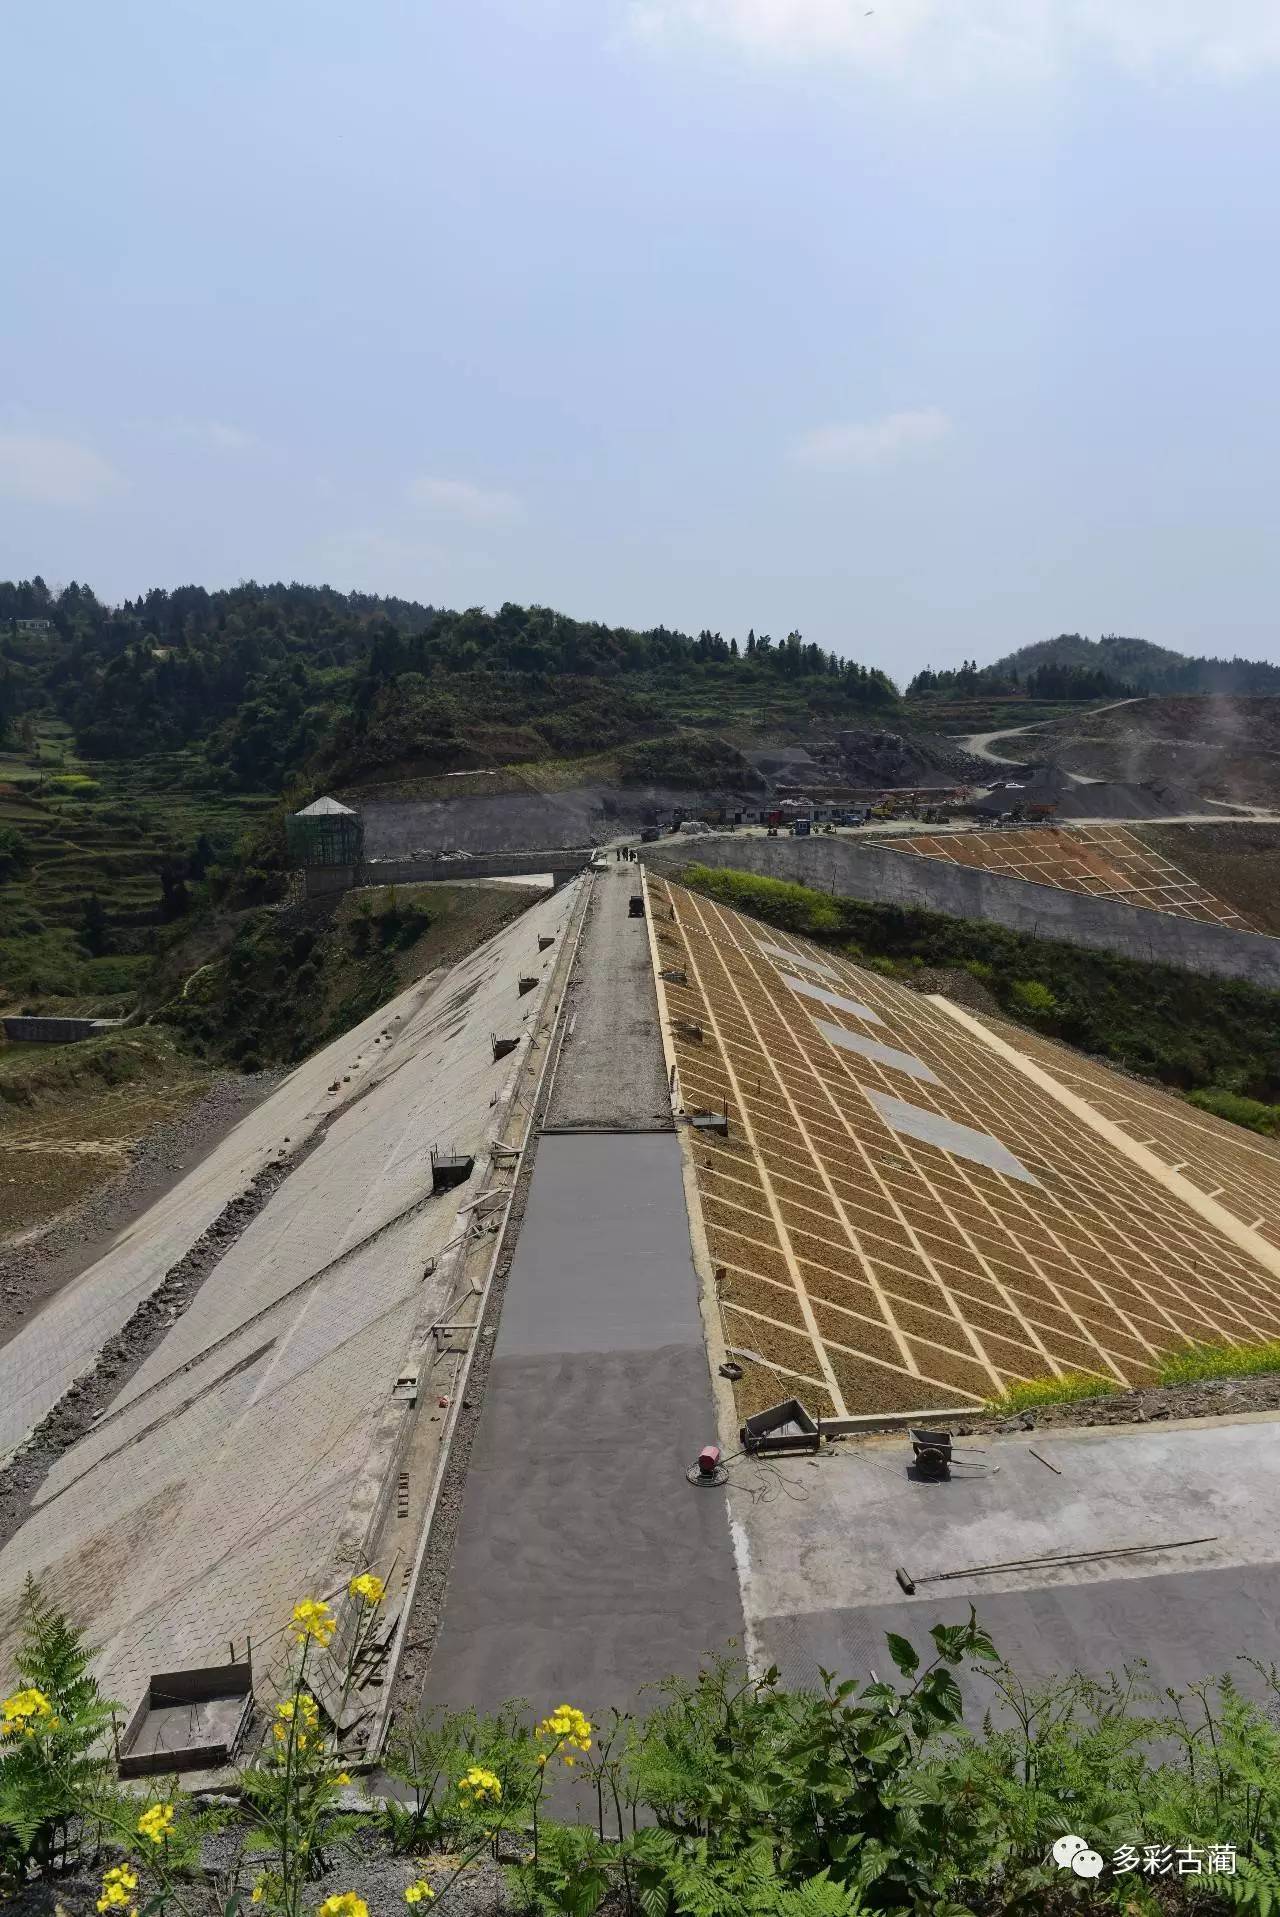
1140	664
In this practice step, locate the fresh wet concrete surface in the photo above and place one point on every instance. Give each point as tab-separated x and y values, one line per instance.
603	1262
586	1566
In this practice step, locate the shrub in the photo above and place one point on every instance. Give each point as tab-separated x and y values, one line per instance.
1029	995
738	1797
1252	1113
15	854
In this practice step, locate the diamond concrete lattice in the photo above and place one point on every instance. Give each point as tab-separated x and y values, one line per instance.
1237	1168
213	1493
870	1268
1107	861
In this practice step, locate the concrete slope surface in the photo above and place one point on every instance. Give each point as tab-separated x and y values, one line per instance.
209	1498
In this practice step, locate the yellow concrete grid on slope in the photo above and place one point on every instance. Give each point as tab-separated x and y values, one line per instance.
872	1270
1106	861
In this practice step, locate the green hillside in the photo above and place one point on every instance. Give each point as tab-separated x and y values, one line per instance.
1136	665
277	685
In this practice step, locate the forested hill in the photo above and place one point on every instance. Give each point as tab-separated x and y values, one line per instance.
275	682
1136	664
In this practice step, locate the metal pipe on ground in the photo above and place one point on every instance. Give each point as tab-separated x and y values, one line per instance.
908	1583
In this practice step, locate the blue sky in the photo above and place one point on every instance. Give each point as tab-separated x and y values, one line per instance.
929	330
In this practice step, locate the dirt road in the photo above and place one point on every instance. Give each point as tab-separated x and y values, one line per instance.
980	743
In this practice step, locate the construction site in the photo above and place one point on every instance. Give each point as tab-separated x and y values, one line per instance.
596	1294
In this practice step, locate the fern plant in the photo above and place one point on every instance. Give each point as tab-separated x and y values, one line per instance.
56	1776
800	1788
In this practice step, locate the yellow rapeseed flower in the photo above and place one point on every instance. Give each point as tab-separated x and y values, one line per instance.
419	1893
367	1586
303	1706
303	1710
118	1887
480	1785
347	1905
25	1712
312	1618
258	1893
343	1777
569	1728
156	1823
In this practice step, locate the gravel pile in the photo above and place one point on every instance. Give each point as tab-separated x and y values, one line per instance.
366	1865
872	757
1045	785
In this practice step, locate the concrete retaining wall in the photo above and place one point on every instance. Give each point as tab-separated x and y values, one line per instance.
867	871
561	864
56	1031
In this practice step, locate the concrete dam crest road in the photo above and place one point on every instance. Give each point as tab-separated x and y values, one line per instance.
586	1566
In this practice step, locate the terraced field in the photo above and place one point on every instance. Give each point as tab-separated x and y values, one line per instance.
102	828
1106	861
905	1216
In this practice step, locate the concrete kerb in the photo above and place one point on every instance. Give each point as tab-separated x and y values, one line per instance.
556	996
703	1263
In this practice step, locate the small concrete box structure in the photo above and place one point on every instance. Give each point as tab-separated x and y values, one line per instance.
449	1169
188	1721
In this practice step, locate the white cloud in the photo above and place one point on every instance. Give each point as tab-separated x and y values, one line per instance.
368	560
42	470
870	444
229	439
928	42
215	435
459	499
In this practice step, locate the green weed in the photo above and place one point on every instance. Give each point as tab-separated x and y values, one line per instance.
1220	1361
1030	1393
